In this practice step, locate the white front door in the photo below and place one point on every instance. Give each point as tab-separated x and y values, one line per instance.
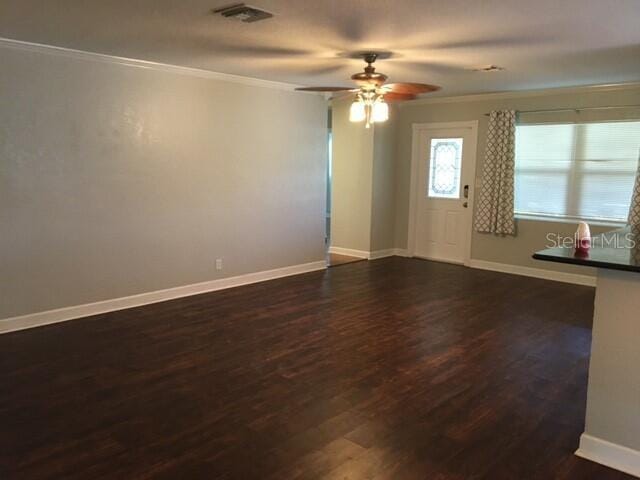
445	170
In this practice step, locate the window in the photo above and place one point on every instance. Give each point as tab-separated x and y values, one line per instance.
444	167
576	171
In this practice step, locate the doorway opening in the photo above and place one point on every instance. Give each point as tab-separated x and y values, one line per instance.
327	235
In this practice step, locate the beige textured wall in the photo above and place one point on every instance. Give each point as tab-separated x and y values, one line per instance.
352	180
117	180
531	234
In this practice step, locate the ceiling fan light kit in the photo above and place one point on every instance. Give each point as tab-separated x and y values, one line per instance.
370	103
369	107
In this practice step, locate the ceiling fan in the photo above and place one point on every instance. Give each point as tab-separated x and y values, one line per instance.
370	104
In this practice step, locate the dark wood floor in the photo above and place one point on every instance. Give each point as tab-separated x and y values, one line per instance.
392	369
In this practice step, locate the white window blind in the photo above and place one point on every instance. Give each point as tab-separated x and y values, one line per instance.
576	171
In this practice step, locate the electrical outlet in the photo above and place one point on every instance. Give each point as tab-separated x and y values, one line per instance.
219	264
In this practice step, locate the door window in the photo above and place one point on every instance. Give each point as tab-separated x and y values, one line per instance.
444	168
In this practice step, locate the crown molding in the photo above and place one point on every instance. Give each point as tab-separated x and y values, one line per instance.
480	97
257	82
132	62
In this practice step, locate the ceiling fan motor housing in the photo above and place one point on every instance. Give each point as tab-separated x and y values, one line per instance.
369	78
372	84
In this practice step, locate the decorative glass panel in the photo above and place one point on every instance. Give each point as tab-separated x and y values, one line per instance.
444	168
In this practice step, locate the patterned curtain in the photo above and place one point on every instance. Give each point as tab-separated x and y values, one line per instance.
634	208
634	218
494	212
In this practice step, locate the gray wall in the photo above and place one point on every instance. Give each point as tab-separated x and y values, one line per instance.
351	185
363	183
613	397
383	191
531	234
117	180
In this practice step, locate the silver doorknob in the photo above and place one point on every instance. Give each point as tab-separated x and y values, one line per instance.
465	204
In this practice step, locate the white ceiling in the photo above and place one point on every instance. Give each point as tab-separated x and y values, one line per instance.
541	43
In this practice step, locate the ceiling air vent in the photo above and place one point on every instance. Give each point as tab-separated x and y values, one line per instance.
487	68
244	13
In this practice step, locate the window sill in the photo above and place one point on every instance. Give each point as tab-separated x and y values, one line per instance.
572	221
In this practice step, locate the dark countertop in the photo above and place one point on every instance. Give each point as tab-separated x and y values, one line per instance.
617	250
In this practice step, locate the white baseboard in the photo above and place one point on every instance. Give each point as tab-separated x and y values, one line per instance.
439	259
575	278
609	454
32	320
349	252
389	252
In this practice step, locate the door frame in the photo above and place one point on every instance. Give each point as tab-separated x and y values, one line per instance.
470	162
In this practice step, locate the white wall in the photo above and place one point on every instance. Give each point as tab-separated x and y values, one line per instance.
117	180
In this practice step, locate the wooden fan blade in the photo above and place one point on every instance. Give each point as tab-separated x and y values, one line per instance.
323	89
343	94
411	88
398	97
